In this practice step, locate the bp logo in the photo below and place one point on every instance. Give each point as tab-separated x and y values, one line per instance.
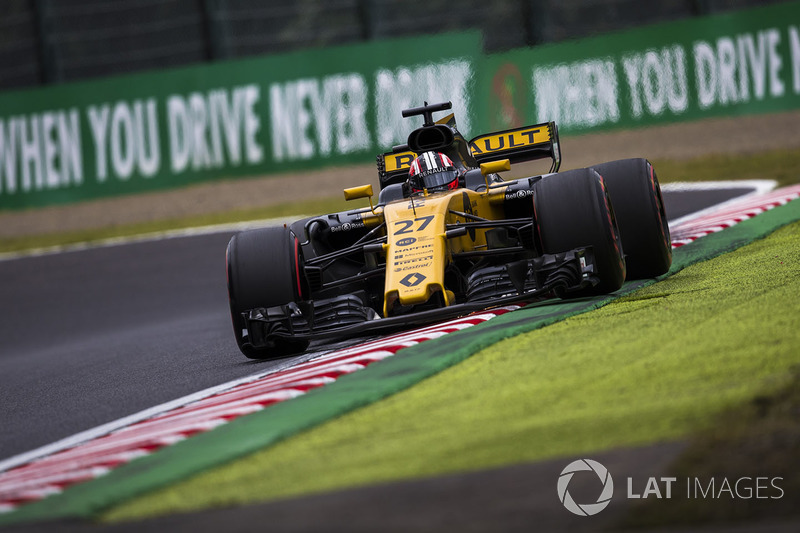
585	509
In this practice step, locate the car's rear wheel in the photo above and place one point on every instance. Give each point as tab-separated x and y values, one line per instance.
636	197
263	271
572	210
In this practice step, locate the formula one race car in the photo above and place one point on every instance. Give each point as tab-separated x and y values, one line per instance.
446	237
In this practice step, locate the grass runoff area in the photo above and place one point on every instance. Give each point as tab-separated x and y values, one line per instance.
778	165
710	354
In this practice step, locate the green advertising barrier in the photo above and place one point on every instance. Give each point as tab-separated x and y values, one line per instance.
724	65
340	105
247	117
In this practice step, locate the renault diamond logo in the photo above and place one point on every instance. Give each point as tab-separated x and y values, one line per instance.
412	280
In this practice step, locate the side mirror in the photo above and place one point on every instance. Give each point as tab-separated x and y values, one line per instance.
354	193
363	191
493	167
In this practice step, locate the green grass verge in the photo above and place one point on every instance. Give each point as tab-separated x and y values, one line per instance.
657	365
290	211
779	165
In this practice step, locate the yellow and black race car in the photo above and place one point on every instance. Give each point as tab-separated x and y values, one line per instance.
447	236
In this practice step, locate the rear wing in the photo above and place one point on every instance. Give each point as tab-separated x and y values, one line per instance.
519	144
528	143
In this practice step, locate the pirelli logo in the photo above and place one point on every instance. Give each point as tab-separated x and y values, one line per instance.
509	140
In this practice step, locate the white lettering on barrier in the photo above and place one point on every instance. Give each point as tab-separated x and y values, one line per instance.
352	133
307	114
730	70
71	158
230	117
207	129
49	145
30	155
726	63
148	147
322	106
794	45
8	151
41	151
250	95
98	120
705	74
404	87
123	151
755	57
726	70
127	135
201	158
179	135
775	63
291	120
395	91
583	93
659	78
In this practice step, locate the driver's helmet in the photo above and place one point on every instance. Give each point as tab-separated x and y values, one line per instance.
433	171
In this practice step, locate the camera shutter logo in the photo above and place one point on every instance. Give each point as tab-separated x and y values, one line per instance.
586	509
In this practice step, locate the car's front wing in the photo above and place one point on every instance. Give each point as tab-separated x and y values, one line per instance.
348	315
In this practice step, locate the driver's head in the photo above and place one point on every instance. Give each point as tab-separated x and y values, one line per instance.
433	171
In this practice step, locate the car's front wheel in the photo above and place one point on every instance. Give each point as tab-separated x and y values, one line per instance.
572	210
263	267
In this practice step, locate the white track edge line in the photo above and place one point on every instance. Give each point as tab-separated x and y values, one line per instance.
146	237
759	187
105	429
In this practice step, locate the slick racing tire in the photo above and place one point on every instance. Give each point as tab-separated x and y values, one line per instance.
636	197
263	271
572	210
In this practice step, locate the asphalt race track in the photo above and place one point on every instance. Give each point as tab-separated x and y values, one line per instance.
91	336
